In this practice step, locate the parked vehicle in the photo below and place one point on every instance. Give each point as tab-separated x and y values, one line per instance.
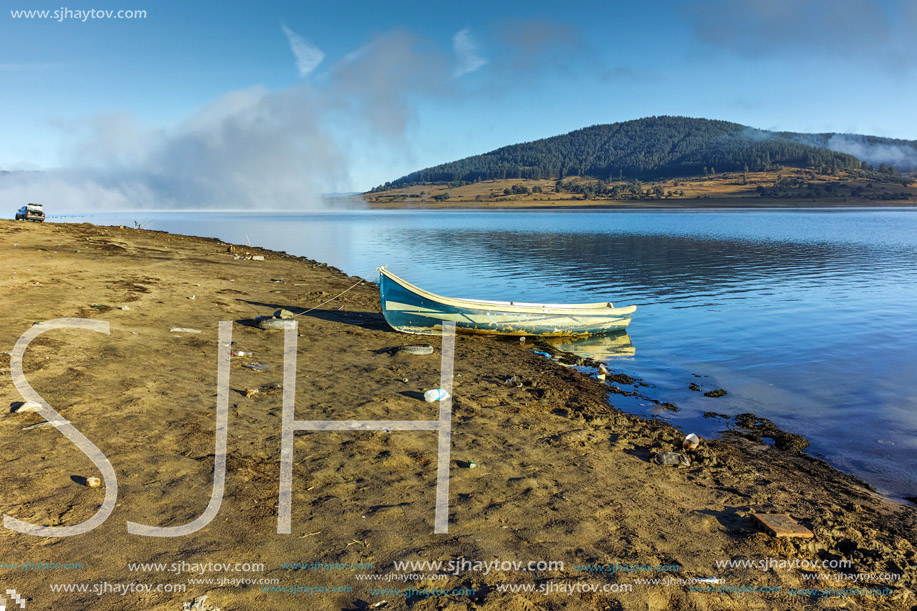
31	212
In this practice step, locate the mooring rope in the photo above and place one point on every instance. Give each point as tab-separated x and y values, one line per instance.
358	283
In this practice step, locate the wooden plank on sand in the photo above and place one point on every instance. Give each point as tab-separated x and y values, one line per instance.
782	525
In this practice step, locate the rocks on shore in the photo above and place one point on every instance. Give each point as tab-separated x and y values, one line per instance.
416	349
758	429
718	392
199	604
25	407
672	458
273	388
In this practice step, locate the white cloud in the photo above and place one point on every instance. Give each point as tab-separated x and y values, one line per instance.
902	156
308	56
253	148
466	53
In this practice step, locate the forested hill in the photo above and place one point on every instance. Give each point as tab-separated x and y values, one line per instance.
648	148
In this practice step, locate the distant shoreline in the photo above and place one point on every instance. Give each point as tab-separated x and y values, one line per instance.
732	204
784	188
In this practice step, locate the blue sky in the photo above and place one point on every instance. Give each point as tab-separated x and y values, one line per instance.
211	102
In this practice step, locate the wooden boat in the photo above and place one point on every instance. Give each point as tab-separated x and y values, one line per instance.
411	309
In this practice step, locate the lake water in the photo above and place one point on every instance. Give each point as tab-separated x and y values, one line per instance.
804	317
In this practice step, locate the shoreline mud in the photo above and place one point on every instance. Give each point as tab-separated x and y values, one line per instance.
559	475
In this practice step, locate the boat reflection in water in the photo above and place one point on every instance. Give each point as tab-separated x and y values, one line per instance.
595	347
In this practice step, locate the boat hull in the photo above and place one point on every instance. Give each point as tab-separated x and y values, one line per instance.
411	310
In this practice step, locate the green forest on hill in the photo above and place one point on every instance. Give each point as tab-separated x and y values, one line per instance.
648	148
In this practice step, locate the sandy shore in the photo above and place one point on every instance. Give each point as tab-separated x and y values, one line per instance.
560	475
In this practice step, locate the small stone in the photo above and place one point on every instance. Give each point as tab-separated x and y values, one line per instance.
284	314
250	392
258	258
93	482
271	389
124	308
26	407
199	604
672	458
42	425
514	381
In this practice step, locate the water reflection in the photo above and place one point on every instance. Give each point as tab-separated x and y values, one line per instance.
644	269
596	347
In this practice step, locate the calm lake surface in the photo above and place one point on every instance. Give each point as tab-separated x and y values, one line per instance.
804	317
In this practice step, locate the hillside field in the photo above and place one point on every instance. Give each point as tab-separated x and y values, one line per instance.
774	188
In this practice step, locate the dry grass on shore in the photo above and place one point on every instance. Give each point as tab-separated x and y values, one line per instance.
731	189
